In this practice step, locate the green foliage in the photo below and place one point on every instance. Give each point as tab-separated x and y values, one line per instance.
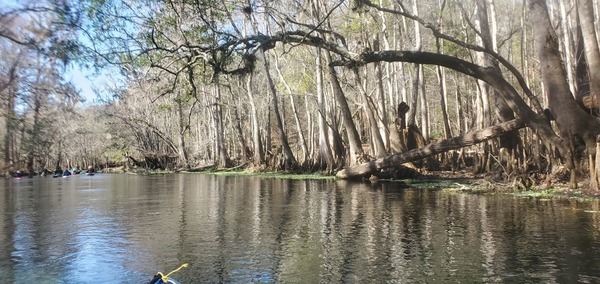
543	193
165	107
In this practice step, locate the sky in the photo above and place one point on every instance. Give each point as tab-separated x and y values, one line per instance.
89	82
84	84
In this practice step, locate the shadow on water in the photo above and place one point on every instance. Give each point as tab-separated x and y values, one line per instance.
239	229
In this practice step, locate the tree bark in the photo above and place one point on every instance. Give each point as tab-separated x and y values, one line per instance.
381	105
290	161
503	111
377	142
8	88
572	121
472	138
183	127
325	156
504	88
301	138
592	51
258	152
356	151
220	131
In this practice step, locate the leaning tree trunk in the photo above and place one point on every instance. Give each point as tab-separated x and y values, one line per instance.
489	75
357	154
472	138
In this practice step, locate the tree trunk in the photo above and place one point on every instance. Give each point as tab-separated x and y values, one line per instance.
417	73
491	76
220	131
290	161
245	150
582	79
183	127
572	121
258	152
566	43
35	133
357	154
325	156
381	105
441	75
503	111
10	116
592	51
10	120
377	142
301	138
472	138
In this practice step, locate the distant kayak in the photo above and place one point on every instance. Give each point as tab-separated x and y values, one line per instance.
89	174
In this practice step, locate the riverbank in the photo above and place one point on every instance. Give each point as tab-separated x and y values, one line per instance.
441	180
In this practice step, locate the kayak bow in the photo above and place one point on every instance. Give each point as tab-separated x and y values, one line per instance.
160	278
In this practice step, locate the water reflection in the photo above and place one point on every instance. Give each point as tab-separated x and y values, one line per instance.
246	229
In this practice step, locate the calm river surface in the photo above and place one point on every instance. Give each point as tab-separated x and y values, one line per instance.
124	228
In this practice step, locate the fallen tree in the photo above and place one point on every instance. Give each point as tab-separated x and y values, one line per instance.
368	168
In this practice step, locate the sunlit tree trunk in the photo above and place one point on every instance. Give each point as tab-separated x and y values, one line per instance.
566	44
183	126
301	138
356	151
503	111
417	73
424	105
10	116
290	161
592	51
376	140
325	156
483	104
310	129
381	104
441	75
258	152
220	149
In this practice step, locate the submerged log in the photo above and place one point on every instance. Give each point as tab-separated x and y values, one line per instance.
468	139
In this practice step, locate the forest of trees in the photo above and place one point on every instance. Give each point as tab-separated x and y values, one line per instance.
358	88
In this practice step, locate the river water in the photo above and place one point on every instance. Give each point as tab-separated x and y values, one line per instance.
124	228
